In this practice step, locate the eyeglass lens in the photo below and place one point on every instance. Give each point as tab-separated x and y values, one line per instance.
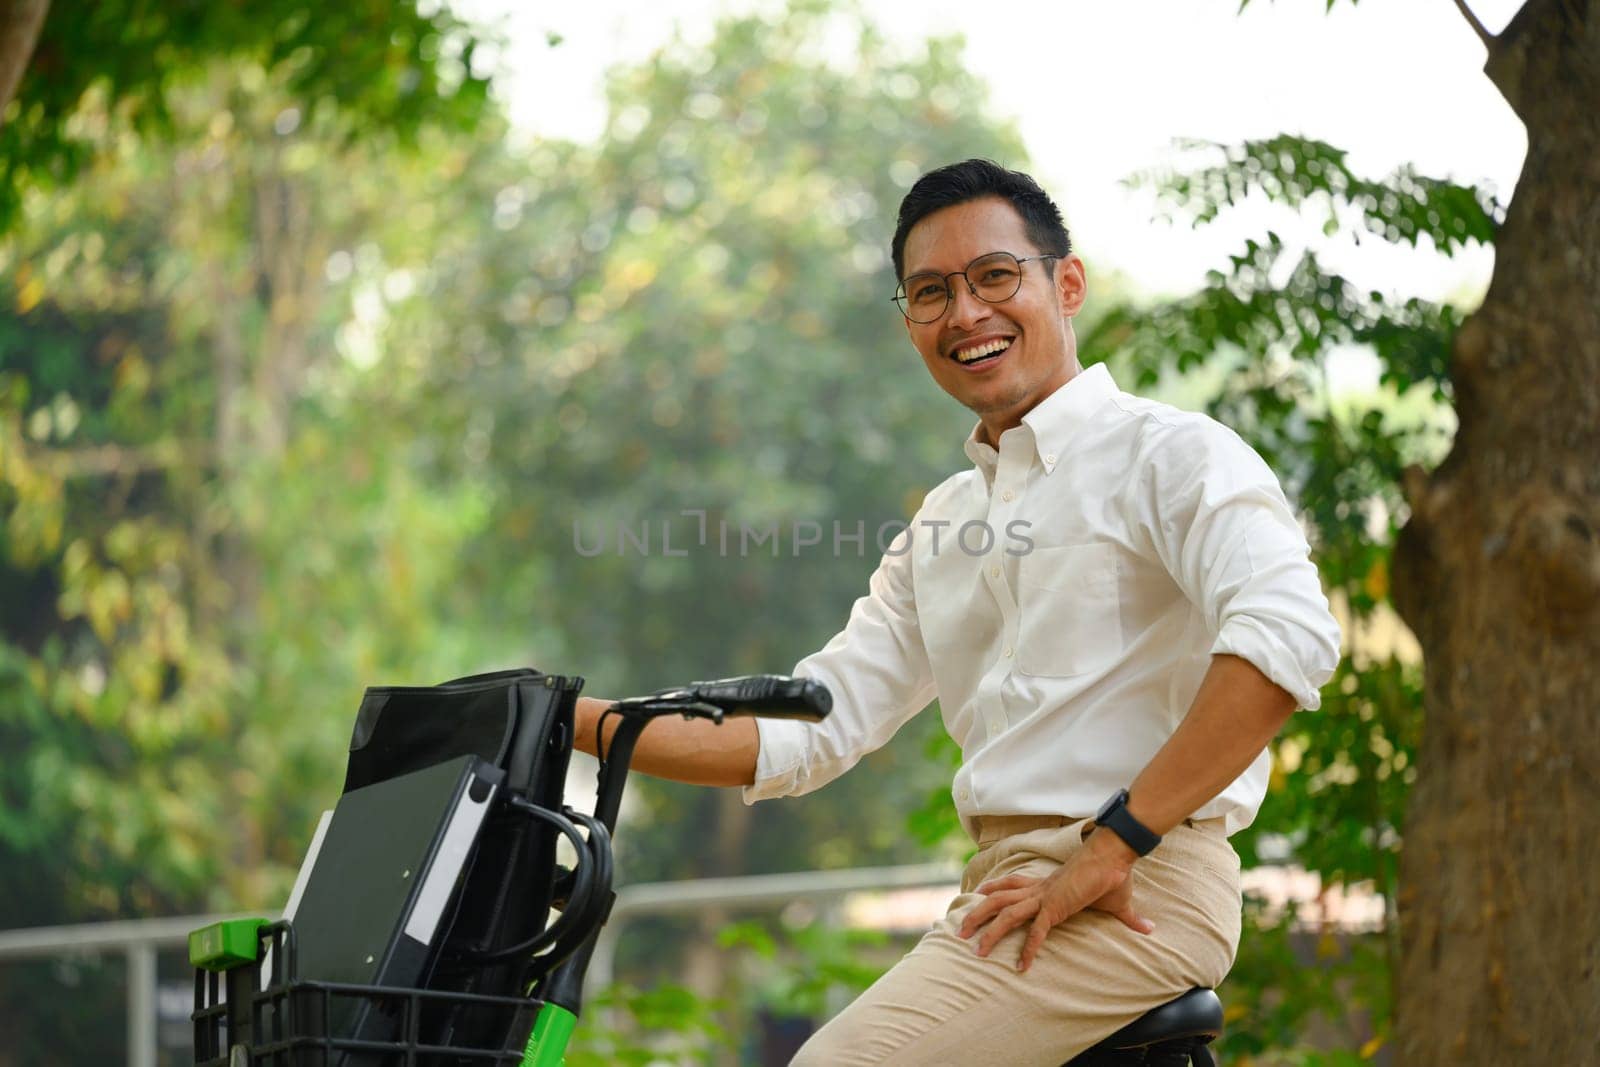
993	278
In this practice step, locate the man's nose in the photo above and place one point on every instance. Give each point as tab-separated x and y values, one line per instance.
965	308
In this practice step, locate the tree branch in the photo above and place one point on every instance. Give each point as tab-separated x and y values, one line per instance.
20	22
1477	27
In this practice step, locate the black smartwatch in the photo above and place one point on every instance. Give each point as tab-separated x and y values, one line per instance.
1114	816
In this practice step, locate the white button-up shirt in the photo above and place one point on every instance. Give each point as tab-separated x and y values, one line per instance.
1063	600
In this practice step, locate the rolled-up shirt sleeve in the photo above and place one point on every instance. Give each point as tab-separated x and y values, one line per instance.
1218	519
878	672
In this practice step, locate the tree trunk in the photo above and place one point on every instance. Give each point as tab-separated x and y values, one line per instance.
1498	572
20	22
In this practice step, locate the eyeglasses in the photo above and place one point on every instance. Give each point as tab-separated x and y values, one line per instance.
993	278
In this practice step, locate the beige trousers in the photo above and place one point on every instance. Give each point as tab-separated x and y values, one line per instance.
944	1006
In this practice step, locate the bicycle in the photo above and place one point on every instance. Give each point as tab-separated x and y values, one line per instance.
259	1002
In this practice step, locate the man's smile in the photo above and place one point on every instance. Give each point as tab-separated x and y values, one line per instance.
981	351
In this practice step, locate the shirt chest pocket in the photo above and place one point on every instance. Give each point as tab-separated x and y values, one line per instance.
1070	610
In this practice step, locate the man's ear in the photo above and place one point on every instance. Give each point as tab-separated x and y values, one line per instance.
1072	285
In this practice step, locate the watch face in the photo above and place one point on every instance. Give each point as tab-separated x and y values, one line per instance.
1118	798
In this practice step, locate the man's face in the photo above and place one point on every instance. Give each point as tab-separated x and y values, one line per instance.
1037	351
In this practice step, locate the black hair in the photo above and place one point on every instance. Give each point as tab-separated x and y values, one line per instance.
974	179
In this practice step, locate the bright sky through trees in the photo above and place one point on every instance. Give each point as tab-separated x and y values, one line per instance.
1101	90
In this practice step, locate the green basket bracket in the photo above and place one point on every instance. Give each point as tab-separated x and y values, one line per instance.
225	945
547	1045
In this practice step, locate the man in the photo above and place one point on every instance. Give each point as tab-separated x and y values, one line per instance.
1140	616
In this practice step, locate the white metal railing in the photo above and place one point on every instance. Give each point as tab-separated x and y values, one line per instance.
749	892
141	939
138	939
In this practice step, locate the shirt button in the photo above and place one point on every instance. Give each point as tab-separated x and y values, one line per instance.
994	572
994	730
1008	496
1008	652
965	794
1050	458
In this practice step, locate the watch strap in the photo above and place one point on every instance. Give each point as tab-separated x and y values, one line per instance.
1116	818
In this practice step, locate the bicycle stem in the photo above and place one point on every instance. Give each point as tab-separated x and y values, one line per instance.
562	989
614	771
564	986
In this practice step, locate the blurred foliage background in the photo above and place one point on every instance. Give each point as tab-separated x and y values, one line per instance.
311	380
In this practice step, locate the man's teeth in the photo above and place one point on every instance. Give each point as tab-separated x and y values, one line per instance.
969	355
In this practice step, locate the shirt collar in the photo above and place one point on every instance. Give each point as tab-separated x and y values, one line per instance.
1052	422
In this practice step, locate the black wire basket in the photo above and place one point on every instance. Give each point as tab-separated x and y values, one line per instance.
241	1020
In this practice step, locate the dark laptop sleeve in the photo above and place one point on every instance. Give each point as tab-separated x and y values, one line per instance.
522	722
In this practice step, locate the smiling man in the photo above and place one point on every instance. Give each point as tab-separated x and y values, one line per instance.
999	361
1113	680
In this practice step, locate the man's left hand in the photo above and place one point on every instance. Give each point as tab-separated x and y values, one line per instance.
1095	876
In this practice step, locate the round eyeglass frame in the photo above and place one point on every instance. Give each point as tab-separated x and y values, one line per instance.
901	299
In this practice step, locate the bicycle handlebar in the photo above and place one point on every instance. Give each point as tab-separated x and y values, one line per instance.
774	696
768	695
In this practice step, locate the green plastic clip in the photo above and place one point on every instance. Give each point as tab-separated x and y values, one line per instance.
547	1045
225	945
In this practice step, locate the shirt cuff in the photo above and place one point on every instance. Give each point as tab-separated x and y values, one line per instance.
1250	640
779	760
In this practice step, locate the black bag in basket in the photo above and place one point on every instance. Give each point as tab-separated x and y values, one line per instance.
522	721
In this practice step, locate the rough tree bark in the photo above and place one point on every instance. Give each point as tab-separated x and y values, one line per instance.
1498	572
20	22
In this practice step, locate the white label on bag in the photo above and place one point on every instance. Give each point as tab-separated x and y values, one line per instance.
445	870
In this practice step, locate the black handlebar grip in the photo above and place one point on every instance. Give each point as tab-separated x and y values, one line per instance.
770	695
